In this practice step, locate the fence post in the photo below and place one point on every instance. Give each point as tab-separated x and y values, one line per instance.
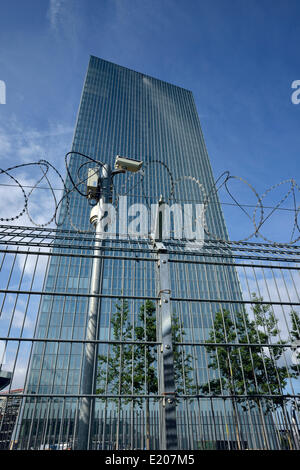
168	429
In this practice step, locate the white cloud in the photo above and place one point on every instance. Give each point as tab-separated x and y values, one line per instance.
276	286
54	11
30	150
41	205
34	265
19	320
5	144
65	21
20	145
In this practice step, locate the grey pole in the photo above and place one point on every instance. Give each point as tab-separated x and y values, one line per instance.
166	381
88	385
168	427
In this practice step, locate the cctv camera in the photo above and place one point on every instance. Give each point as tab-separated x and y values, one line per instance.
128	164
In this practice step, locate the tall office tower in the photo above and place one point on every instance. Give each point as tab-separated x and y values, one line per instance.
123	112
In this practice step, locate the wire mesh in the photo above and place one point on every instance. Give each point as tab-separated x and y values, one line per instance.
235	350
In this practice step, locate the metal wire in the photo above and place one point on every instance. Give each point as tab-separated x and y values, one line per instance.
215	418
75	183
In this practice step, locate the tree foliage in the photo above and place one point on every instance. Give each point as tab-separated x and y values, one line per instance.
249	370
129	369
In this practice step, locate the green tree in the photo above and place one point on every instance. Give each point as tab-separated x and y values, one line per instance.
129	369
113	374
295	323
245	370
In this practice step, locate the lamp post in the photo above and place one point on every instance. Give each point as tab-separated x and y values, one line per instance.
99	188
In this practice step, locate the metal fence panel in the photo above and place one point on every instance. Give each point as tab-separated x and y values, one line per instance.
235	358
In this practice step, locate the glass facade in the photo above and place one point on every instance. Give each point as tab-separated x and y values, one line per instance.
123	112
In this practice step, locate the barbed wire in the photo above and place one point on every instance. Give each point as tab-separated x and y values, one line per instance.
222	203
75	182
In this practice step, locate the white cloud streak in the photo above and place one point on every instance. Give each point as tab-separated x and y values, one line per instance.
54	12
20	145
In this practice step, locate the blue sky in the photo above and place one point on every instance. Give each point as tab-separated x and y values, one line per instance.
238	57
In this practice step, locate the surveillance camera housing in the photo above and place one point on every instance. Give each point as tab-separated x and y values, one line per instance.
127	164
93	183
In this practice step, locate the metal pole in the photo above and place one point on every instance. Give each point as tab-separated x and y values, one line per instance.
88	385
166	380
168	429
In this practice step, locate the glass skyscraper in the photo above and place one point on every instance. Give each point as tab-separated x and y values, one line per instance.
123	112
